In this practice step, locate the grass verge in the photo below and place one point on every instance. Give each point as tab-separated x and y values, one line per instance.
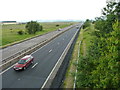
10	36
85	35
69	78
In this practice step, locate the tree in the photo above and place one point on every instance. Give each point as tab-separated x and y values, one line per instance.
100	67
107	72
86	24
32	27
110	14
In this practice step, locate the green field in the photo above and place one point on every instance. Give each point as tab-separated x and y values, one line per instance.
85	36
9	32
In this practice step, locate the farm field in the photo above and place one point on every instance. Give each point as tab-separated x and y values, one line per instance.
10	35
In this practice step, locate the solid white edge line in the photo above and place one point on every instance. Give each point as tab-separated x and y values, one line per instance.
41	47
57	63
34	65
47	43
31	54
7	69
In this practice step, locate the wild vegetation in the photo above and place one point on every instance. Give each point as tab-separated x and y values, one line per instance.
100	66
32	27
17	32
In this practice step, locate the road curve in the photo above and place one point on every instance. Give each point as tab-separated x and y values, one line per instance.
45	59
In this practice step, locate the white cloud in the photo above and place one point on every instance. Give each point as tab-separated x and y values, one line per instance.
50	9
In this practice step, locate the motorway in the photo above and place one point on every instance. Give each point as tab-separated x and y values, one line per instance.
45	59
11	50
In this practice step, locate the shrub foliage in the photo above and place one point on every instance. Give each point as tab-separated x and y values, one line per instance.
100	68
32	27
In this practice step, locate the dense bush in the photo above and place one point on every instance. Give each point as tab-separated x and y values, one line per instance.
57	25
86	24
20	32
100	68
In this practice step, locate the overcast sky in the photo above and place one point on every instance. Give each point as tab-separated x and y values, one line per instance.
21	10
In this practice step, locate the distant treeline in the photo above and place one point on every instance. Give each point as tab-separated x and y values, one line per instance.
9	21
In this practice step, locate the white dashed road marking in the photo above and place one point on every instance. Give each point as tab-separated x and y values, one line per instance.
34	65
50	50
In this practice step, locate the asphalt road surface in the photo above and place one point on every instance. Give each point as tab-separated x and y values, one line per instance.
45	59
9	51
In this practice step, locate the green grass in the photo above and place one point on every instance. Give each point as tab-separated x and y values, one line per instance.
88	36
9	32
85	35
70	74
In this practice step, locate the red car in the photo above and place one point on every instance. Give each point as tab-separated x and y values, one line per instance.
24	62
